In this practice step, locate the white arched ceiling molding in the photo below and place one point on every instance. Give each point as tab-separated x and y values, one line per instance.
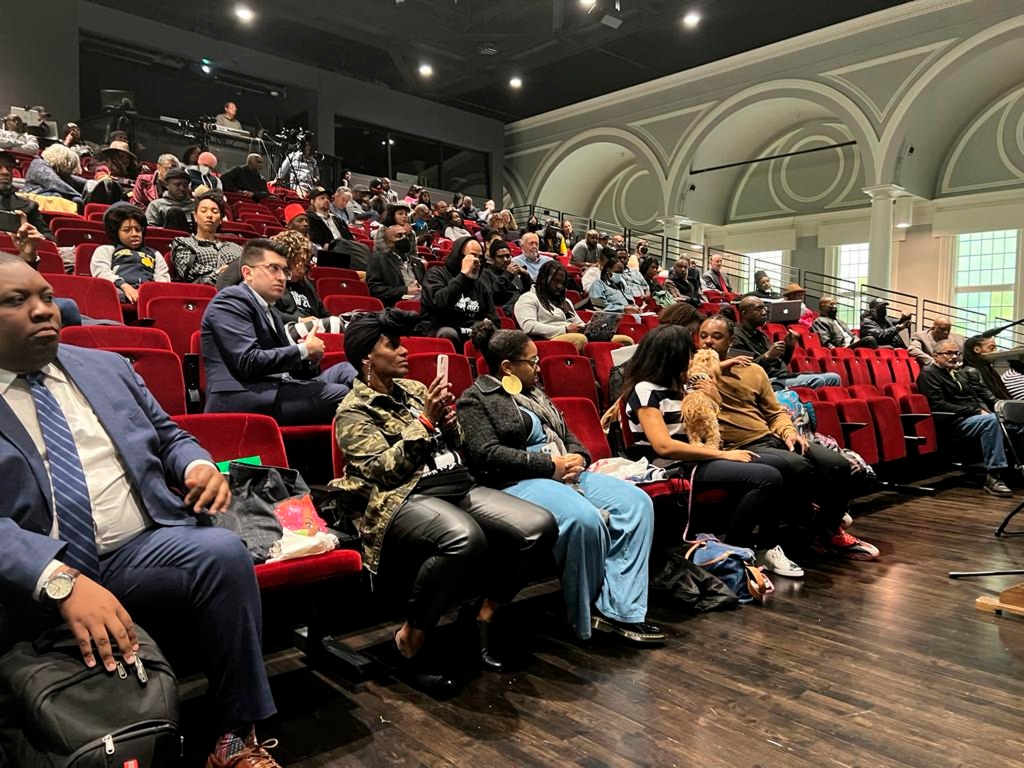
990	153
514	188
803	184
737	128
570	177
931	114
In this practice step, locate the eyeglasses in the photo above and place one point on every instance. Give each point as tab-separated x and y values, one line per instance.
950	353
534	362
275	270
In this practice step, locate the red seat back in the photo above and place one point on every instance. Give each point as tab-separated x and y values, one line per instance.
828	421
885	415
857	371
408	305
842	352
568	376
179	318
549	348
161	370
96	298
880	371
340	304
921	424
151	290
333	342
806	394
229	436
115	336
835	365
600	354
832	394
338	273
584	422
862	391
423	368
416	345
860	438
332	286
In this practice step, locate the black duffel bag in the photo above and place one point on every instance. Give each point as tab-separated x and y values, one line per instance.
59	713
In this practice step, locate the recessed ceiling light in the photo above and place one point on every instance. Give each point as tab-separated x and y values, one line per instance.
516	82
426	70
587	3
691	20
244	13
206	69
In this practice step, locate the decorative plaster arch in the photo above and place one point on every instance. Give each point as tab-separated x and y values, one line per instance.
835	104
601	135
926	94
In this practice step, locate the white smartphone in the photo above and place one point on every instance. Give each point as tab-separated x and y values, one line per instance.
442	369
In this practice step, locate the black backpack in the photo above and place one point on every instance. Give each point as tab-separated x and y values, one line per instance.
58	713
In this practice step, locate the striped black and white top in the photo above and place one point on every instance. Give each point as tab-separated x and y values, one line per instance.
1014	384
649	395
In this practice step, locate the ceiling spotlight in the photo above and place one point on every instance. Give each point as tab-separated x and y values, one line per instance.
691	20
207	69
426	70
588	3
516	82
244	13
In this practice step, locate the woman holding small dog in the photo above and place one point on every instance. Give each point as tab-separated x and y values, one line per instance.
656	386
516	440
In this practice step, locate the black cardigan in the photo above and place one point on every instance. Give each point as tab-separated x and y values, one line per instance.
495	438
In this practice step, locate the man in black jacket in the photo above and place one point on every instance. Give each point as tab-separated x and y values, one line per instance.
874	323
964	413
453	297
325	229
9	201
247	179
395	270
749	339
506	281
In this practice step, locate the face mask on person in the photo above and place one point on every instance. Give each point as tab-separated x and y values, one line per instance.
832	312
643	249
403	246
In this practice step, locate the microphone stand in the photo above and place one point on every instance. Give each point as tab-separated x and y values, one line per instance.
992	332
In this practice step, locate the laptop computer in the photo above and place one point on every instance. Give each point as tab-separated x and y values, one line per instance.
784	312
602	326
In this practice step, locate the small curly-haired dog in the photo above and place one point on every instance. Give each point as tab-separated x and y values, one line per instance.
700	412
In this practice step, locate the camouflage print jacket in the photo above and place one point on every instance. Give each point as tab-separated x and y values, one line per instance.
386	448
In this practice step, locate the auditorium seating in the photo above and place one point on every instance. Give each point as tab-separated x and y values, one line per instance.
568	376
152	290
341	304
423	368
115	336
179	317
161	370
96	298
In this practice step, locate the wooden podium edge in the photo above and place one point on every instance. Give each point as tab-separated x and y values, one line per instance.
1010	600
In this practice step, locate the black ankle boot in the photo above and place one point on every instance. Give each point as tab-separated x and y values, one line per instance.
488	659
414	671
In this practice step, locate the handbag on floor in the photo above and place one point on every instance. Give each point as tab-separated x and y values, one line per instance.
683	584
733	565
59	713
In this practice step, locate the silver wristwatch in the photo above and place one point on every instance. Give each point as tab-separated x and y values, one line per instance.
58	587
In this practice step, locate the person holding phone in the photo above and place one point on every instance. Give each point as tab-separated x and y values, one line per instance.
428	530
454	297
752	419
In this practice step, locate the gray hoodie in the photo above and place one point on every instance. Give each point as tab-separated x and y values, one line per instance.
156	211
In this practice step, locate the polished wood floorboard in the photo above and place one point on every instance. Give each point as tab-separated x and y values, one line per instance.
858	664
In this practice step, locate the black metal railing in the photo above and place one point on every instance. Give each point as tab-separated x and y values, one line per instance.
845	292
900	303
655	243
676	249
968	322
781	275
1011	337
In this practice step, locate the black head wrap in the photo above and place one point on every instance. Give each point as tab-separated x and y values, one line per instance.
365	329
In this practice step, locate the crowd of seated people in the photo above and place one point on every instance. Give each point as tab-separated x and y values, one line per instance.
472	501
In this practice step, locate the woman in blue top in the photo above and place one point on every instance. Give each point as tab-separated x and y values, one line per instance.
516	440
608	291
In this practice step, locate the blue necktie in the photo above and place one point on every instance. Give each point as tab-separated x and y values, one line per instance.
70	491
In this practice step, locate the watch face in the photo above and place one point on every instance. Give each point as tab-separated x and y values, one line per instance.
59	586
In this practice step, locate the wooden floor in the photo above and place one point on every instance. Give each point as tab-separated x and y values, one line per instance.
858	664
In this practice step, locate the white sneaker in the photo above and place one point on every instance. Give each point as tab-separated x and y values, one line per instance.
847	521
775	561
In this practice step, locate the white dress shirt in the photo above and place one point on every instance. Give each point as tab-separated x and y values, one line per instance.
117	512
331	225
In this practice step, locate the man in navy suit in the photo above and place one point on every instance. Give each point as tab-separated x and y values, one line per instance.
251	364
90	527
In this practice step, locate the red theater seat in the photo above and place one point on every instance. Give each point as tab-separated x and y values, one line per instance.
568	376
161	370
115	336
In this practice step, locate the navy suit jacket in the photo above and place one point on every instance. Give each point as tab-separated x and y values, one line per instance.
152	449
241	351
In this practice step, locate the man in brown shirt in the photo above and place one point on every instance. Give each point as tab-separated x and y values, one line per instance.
752	418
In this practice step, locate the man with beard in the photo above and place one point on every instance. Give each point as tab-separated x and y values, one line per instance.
505	280
395	271
832	331
875	323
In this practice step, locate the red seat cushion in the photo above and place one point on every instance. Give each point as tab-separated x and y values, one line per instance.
306	570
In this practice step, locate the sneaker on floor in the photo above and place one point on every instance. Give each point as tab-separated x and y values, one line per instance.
253	756
997	487
847	521
640	632
775	561
842	543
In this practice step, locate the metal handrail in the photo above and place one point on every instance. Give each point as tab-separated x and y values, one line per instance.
737	267
780	274
906	303
676	248
845	291
969	322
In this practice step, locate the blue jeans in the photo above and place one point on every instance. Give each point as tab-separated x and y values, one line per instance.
601	565
811	380
986	427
